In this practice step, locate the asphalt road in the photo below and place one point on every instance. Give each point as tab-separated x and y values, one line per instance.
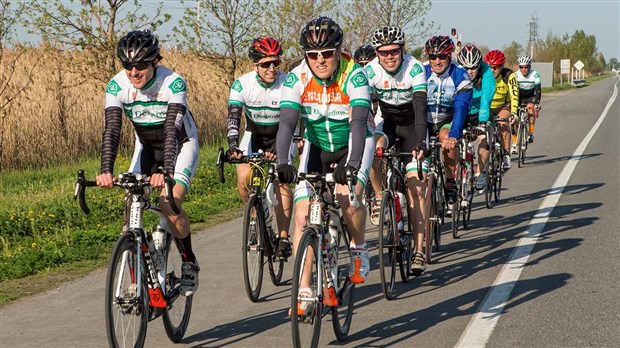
559	287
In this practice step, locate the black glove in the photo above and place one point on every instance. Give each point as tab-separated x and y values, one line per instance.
232	150
286	173
422	147
340	174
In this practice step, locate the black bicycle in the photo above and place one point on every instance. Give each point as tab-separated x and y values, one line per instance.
436	204
321	283
260	239
495	169
395	230
144	276
522	134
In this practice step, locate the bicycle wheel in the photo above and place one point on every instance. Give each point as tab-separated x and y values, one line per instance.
497	185
343	313
469	194
456	206
520	142
405	244
388	245
126	306
488	189
524	143
276	266
176	315
433	219
253	253
306	311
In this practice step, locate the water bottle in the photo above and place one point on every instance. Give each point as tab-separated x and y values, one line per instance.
159	244
399	210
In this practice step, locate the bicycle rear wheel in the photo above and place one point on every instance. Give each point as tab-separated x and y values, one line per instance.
432	224
252	249
276	266
388	245
126	306
176	315
468	196
499	173
343	313
456	206
405	244
306	311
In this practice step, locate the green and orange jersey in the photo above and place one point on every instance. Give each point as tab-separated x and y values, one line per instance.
325	107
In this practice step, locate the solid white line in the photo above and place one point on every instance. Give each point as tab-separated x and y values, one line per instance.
481	325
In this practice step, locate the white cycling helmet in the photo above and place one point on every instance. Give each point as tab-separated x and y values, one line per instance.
387	36
469	56
524	60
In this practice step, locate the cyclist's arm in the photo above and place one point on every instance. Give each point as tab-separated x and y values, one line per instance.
288	121
537	89
111	138
234	121
488	91
359	124
513	93
419	109
462	102
171	134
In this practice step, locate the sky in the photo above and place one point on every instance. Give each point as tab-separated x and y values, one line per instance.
499	22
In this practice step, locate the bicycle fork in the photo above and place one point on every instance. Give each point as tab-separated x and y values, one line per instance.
329	291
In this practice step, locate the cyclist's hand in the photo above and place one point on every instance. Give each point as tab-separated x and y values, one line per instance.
234	153
514	118
105	180
340	174
270	156
286	173
449	143
421	151
157	180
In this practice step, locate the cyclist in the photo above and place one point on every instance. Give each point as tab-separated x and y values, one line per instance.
483	83
529	91
153	98
398	81
449	96
257	95
505	99
330	92
364	54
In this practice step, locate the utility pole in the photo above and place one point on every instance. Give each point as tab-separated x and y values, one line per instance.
533	34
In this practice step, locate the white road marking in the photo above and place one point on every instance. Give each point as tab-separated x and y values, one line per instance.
481	325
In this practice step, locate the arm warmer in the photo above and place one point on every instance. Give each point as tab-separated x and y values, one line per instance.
462	102
234	120
359	124
111	138
537	94
419	109
288	121
171	132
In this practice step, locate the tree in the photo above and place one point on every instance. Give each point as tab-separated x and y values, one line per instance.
220	30
512	52
613	64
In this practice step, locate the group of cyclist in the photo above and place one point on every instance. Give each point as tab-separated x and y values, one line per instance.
349	105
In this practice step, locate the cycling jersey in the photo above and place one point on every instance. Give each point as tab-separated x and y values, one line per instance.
448	97
324	107
260	103
506	91
483	91
529	86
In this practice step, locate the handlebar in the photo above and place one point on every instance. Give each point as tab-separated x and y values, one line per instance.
130	182
329	179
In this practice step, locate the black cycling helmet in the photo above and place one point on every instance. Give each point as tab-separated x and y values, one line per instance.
135	42
387	36
364	53
321	32
439	45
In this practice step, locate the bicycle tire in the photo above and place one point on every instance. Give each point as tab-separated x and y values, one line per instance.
276	266
524	146
432	220
306	329
342	315
252	249
497	186
520	143
387	245
456	206
177	313
405	245
128	310
469	195
490	180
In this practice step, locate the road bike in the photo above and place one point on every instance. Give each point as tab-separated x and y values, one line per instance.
260	238
522	134
464	180
436	204
321	284
495	169
395	231
143	281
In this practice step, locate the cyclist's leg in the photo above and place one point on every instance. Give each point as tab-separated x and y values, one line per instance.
449	158
384	136
503	127
531	113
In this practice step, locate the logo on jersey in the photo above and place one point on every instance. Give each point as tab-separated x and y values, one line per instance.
359	80
113	88
237	86
416	70
290	81
177	86
369	72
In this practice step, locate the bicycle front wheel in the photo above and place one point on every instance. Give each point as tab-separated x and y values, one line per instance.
499	174
456	206
276	266
126	306
306	309
252	250
387	245
342	315
176	315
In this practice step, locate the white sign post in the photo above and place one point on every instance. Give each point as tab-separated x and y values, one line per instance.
564	68
579	80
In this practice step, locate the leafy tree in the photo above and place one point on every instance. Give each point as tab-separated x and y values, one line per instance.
512	52
613	64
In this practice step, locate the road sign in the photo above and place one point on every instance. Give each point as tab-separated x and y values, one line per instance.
579	65
564	66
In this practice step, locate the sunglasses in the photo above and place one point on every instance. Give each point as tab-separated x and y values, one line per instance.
139	66
325	54
524	67
472	68
363	63
393	52
267	65
496	67
435	56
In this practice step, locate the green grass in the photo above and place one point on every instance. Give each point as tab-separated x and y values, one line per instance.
45	237
568	85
